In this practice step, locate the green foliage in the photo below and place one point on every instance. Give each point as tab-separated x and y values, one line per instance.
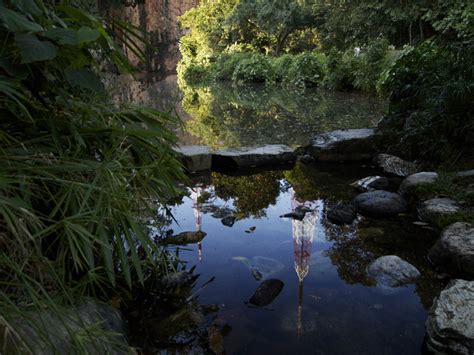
431	90
255	69
80	176
306	70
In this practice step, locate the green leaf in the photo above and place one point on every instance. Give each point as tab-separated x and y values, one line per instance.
34	50
28	7
84	78
16	22
87	34
63	36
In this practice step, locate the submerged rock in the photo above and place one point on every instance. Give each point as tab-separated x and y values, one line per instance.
454	250
433	211
343	145
391	164
392	271
228	221
378	183
184	238
379	203
365	184
299	213
253	157
266	292
342	214
450	324
195	157
261	267
415	180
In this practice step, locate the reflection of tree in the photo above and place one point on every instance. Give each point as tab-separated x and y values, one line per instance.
354	248
225	115
251	194
312	182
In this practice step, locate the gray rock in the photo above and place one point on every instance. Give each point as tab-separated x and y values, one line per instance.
391	164
228	221
379	203
261	267
434	210
57	332
392	271
305	159
184	238
415	180
450	324
343	145
195	157
342	214
253	157
266	292
453	252
377	183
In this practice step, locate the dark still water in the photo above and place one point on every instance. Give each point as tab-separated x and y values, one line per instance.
327	304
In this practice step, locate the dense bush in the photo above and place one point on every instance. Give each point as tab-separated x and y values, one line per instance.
254	69
306	70
431	91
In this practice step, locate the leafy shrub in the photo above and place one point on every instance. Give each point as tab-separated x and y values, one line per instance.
340	70
226	64
431	91
281	65
195	73
255	69
306	70
368	67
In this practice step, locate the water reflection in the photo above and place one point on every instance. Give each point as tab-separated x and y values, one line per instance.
334	299
223	115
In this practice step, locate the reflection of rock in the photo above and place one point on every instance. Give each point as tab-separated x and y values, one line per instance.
195	157
454	250
450	325
228	221
342	214
380	203
184	238
343	145
392	271
416	180
51	332
433	211
253	157
266	292
391	164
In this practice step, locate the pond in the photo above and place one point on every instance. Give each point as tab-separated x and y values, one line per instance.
224	115
327	304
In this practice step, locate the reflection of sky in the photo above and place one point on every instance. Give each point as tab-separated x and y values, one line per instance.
337	317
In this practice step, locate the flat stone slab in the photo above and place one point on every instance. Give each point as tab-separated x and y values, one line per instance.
392	271
412	181
273	154
454	250
450	323
343	145
379	203
390	164
195	157
434	210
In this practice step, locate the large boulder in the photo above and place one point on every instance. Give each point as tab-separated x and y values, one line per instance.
435	210
379	203
415	180
195	157
253	157
392	271
450	324
391	164
97	327
343	145
454	250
